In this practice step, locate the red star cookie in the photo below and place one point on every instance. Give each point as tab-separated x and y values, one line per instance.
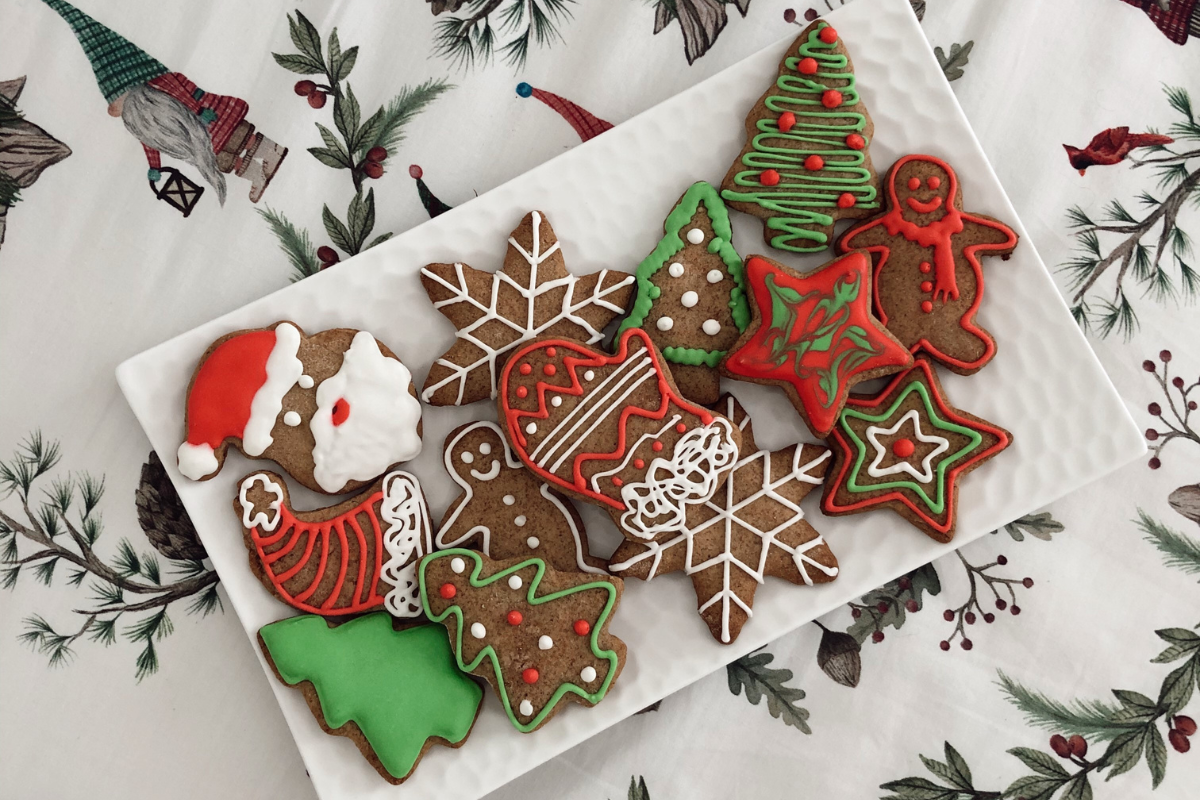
813	334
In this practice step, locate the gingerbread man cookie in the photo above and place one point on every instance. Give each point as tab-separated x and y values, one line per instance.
928	282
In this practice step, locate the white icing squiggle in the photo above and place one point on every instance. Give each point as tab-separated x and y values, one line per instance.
926	473
260	519
407	539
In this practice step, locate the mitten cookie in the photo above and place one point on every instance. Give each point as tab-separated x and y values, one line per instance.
504	510
531	295
334	409
613	430
806	163
393	693
751	528
905	449
928	281
691	295
813	334
535	634
352	557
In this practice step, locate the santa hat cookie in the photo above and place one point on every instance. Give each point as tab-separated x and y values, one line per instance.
334	410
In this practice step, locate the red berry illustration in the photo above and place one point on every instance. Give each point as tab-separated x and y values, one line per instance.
1165	355
1027	583
789	15
1154	463
1078	746
1151	434
904	583
811	14
1191	405
882	607
327	255
1177	382
1155	409
1015	610
377	154
989	618
305	88
1000	604
855	613
1002	560
1148	365
912	606
877	637
1185	725
1059	745
1180	742
944	645
373	170
317	99
415	172
969	617
948	615
967	644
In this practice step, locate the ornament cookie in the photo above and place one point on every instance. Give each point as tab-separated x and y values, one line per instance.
751	528
531	295
813	334
807	161
504	510
691	294
535	634
356	556
614	431
905	449
393	693
928	282
334	409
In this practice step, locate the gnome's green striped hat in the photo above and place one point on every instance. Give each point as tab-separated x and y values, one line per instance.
119	64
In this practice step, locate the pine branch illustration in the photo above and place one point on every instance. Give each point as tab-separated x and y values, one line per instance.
463	40
753	673
1179	551
294	242
388	132
1088	718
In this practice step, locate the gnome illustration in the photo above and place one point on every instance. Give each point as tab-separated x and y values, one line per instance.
334	409
171	115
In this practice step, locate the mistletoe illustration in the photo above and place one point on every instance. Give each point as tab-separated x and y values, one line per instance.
487	27
63	524
1149	250
360	146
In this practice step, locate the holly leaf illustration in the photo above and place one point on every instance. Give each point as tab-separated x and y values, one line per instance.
1177	687
1156	755
1042	763
1124	753
918	789
1078	789
306	38
299	64
1034	787
954	772
952	64
1182	644
753	673
336	230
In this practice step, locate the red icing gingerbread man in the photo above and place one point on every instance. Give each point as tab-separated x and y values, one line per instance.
928	282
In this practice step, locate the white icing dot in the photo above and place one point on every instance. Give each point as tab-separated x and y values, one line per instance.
556	401
477	630
526	708
531	428
711	327
545	642
306	381
467	458
714	276
665	323
675	270
457	564
689	299
695	236
520	521
587	376
533	542
514	582
291	419
485	449
509	499
588	674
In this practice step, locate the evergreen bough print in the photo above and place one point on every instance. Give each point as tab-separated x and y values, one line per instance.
486	28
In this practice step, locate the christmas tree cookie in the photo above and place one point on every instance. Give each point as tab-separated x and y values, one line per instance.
393	693
538	636
813	334
691	295
806	162
906	449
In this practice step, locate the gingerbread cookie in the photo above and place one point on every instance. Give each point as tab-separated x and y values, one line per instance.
393	693
531	295
346	559
504	510
806	163
691	294
928	281
813	334
905	449
614	431
334	410
535	634
751	528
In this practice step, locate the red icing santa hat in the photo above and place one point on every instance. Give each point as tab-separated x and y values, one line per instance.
238	393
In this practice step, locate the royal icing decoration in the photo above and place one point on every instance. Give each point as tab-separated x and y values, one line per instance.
695	236
751	521
689	299
813	334
665	324
291	419
711	327
675	270
533	271
904	448
305	382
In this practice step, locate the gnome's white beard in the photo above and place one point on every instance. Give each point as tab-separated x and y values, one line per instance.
381	428
167	125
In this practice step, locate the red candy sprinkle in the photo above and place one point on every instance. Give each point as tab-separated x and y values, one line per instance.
447	591
903	448
846	200
340	413
832	98
786	120
526	369
582	627
549	369
769	178
828	35
926	286
681	428
530	675
657	447
522	391
927	306
638	463
808	66
514	617
814	163
925	266
551	351
855	142
616	481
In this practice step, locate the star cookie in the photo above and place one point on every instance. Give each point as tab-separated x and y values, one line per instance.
813	334
751	528
531	295
906	449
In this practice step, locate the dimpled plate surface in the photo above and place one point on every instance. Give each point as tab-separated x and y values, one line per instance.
607	199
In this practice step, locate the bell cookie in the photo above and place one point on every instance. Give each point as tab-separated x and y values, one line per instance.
537	635
334	409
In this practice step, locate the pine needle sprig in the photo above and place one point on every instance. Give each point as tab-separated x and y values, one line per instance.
465	40
1092	719
1179	550
294	242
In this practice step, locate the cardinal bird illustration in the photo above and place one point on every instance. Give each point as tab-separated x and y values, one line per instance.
1111	146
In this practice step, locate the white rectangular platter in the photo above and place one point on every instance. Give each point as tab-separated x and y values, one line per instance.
607	200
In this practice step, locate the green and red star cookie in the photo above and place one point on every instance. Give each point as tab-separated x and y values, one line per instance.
905	449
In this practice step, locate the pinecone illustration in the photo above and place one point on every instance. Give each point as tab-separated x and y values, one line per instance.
163	517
